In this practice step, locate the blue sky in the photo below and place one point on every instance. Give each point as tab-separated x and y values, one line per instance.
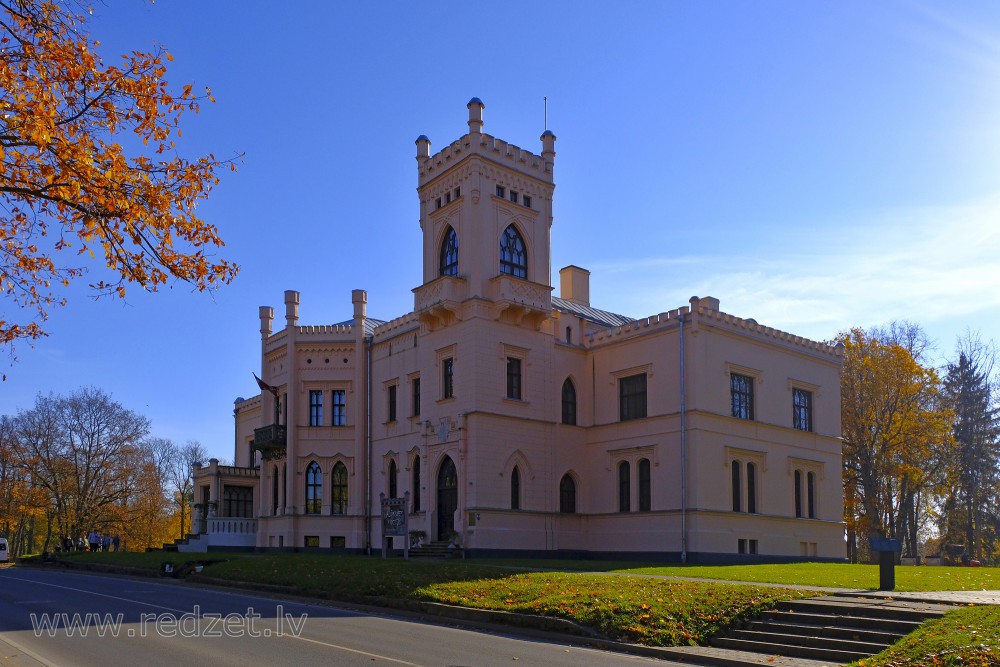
814	165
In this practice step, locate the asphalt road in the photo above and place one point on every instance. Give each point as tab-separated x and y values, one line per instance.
52	617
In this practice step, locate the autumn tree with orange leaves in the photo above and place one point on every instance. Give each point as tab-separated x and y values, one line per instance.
69	190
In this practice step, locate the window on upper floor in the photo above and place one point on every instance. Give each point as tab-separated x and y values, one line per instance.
449	253
741	392
568	403
501	192
802	402
513	196
513	256
339	417
415	388
632	397
515	489
391	407
567	495
339	488
514	378
526	200
315	408
314	488
447	378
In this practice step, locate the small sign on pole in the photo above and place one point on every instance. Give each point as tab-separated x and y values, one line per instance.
395	522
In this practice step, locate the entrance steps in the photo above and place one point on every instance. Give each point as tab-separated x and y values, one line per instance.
435	550
830	630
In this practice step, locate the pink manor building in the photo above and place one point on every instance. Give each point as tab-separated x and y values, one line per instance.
524	423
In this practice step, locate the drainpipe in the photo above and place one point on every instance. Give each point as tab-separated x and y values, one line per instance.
368	448
683	448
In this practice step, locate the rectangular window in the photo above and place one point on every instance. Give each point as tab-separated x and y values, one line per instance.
802	409
632	397
416	397
514	378
312	541
438	203
237	501
513	196
458	192
339	407
741	390
500	191
392	403
447	198
447	378
315	408
527	201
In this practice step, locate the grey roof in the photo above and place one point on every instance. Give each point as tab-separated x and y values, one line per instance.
602	317
370	324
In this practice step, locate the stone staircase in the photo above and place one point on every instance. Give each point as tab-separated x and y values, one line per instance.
830	630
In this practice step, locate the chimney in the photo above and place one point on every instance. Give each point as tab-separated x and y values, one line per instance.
476	107
574	285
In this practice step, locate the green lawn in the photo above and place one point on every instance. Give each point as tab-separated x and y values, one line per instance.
647	610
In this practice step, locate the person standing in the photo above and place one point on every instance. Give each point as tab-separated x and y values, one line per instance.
94	540
115	541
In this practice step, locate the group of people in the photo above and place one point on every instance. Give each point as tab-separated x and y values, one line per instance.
93	542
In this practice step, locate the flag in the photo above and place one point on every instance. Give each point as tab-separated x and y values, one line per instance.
265	386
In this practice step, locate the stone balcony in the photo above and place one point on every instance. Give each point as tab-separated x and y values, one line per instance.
521	301
438	302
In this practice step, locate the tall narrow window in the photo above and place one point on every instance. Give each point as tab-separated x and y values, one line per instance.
741	390
514	378
393	490
392	403
447	378
339	407
568	403
567	495
632	397
624	487
515	489
737	487
315	408
751	488
416	397
513	256
645	486
274	492
339	487
416	484
811	494
449	253
802	401
798	494
314	488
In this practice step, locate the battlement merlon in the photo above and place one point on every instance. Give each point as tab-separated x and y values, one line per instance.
496	150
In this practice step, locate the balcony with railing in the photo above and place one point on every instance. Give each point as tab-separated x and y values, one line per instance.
271	441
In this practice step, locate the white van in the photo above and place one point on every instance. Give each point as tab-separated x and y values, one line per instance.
3	550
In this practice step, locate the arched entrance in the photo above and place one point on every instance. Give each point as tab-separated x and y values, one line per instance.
447	498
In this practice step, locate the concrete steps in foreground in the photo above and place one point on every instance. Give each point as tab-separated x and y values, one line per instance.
829	630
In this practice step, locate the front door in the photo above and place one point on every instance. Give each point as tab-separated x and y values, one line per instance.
447	499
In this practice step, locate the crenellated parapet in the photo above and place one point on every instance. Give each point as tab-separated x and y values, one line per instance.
476	142
398	326
321	330
706	312
638	327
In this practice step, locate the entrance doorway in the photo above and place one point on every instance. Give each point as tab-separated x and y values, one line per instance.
447	498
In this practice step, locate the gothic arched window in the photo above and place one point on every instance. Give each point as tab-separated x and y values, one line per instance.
449	253
513	256
314	488
568	403
339	486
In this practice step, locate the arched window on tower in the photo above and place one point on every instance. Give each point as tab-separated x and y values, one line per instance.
513	256
449	253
